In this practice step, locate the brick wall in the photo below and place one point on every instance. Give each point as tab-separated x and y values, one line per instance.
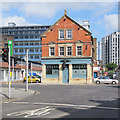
53	35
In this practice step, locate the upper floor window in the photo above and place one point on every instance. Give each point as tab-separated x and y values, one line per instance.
21	44
31	50
79	50
61	34
61	51
69	34
36	56
26	43
52	51
16	50
31	43
36	43
69	51
15	44
36	50
21	50
31	57
5	39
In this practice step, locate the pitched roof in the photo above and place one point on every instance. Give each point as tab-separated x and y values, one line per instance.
65	15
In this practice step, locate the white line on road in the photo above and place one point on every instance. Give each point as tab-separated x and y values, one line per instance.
34	112
70	105
21	102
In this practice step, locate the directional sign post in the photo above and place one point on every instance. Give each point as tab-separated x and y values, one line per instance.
10	44
9	92
10	54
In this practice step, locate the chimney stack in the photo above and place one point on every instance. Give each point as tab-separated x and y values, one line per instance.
86	24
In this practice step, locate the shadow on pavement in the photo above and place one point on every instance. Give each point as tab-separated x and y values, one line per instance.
101	112
4	95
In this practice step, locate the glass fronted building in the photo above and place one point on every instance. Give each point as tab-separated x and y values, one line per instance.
26	37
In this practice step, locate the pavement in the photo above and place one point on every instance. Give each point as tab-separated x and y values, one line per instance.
16	94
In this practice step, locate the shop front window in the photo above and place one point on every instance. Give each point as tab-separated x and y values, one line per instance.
79	70
52	71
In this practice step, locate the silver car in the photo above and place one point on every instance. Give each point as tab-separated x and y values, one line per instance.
105	80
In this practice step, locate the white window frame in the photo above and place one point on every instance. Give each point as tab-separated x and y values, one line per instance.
67	51
50	51
61	51
60	34
77	50
67	33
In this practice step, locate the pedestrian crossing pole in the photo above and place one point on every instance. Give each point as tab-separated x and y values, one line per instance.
12	69
27	72
31	72
9	90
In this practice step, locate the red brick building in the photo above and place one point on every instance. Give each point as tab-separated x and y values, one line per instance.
67	52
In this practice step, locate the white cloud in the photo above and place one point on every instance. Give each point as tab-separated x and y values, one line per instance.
111	22
19	21
39	9
49	9
103	8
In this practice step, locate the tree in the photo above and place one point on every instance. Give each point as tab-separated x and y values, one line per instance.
111	66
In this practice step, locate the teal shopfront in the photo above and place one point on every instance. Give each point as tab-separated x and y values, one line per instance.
74	69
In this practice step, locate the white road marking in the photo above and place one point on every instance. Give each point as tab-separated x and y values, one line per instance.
35	112
6	102
70	105
21	102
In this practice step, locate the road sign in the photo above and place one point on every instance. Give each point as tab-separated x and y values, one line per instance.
10	44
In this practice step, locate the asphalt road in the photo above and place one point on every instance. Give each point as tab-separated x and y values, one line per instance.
65	101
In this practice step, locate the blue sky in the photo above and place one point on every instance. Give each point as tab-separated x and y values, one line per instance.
103	16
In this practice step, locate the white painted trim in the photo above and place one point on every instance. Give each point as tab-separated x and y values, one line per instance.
67	50
59	34
59	50
77	50
50	51
67	34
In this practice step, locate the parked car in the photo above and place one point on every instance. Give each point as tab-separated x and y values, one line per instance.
105	80
38	77
34	79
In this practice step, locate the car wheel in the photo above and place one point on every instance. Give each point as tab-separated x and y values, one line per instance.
37	81
113	82
97	82
24	81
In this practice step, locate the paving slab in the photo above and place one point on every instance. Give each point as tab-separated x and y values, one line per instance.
16	94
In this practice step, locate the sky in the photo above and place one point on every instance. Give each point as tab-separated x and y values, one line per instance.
102	15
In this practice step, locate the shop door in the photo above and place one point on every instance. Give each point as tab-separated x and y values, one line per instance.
65	75
95	74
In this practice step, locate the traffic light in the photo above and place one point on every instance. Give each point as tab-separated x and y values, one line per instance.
29	66
5	54
15	61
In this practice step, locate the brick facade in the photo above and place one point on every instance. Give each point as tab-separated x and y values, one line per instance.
77	45
53	35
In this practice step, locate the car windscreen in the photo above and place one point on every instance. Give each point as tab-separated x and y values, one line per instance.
37	76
